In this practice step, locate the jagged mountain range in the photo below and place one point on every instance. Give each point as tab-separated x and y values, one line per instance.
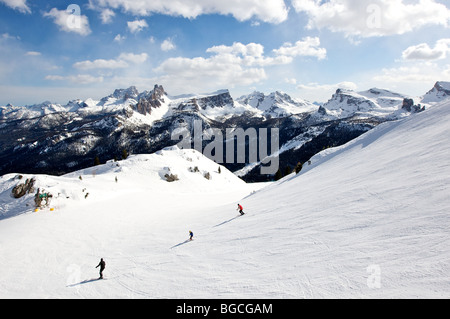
57	139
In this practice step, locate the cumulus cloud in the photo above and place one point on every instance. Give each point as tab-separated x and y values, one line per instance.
272	11
217	71
67	21
134	58
371	18
20	5
251	49
122	62
307	47
168	45
424	52
229	66
137	25
119	63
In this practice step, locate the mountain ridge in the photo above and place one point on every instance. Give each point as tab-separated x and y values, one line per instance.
56	139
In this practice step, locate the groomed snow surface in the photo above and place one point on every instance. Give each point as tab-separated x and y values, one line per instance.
370	219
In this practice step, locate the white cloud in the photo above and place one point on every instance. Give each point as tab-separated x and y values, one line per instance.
7	36
328	87
426	72
20	5
101	64
119	38
307	47
120	63
137	26
208	73
76	79
424	52
168	45
251	49
33	53
413	78
290	81
368	18
322	92
107	15
134	58
69	22
229	66
272	11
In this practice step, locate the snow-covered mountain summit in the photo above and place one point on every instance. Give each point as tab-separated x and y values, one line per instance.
438	93
276	104
371	103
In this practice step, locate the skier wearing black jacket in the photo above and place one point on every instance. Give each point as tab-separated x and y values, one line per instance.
102	266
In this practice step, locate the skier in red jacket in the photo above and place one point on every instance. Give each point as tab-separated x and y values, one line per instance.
241	210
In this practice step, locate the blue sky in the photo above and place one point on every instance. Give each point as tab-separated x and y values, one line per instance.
63	50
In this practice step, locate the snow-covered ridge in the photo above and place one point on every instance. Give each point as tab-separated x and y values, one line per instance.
158	104
438	93
373	102
276	104
192	169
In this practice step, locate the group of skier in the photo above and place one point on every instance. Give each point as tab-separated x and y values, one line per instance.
102	263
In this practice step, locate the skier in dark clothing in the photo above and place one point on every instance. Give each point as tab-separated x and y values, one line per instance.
240	209
102	266
191	234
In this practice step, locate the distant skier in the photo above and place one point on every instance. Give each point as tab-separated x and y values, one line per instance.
191	235
102	266
240	209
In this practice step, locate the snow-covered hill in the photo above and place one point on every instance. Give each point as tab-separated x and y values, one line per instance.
367	219
193	171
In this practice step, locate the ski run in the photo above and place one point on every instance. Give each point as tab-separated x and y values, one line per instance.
370	219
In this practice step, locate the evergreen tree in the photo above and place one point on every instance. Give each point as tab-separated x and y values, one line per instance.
278	175
287	171
124	154
298	168
96	161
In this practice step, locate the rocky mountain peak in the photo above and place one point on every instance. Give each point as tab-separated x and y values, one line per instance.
150	100
439	92
443	87
218	99
125	94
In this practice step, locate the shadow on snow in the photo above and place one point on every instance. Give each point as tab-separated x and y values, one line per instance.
183	243
84	282
228	221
